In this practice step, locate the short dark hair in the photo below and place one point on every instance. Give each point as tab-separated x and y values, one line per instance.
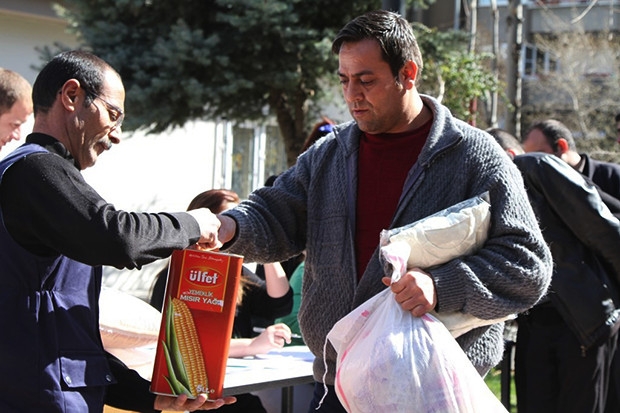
618	117
506	140
553	130
393	33
83	66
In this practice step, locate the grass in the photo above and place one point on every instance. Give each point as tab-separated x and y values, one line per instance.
493	380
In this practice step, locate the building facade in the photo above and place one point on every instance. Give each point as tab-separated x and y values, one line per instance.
566	65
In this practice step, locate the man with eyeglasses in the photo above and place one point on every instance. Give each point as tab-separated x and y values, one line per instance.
56	233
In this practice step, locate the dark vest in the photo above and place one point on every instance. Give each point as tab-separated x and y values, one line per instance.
51	355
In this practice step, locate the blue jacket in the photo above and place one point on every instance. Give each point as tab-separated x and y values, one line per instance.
50	324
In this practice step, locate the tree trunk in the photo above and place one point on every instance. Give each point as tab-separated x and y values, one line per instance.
492	119
291	118
473	29
514	78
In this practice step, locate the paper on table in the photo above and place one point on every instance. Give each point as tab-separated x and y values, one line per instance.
281	368
299	353
276	359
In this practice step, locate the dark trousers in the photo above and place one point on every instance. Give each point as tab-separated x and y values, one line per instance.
330	403
613	394
552	374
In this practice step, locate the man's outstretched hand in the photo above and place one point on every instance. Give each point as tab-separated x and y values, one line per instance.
182	403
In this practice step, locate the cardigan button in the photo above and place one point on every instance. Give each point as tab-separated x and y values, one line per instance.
108	378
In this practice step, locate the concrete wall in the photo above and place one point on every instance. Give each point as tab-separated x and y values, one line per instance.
26	25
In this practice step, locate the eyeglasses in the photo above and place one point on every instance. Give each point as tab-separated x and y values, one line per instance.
115	113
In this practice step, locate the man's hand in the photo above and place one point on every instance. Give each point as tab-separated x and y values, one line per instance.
209	226
228	228
415	292
182	403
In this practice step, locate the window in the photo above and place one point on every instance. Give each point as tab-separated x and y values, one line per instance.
257	153
242	160
487	3
275	153
537	62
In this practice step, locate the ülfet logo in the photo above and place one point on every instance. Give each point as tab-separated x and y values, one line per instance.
206	277
203	288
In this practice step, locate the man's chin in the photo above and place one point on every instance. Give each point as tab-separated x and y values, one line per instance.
92	159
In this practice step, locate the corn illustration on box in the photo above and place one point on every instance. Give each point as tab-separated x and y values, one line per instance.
197	322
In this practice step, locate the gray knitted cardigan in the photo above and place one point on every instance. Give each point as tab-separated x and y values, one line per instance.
312	207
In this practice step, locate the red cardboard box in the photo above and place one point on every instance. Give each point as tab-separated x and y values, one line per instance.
197	322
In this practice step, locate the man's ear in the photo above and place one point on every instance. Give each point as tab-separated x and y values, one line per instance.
409	72
562	145
70	93
512	153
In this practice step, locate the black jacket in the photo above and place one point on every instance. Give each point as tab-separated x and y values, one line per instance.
605	174
606	177
584	238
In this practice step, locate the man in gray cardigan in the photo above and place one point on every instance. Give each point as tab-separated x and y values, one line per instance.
404	157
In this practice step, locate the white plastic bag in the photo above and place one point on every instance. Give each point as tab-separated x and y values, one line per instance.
390	361
398	363
453	232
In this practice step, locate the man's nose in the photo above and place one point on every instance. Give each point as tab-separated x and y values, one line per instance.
16	134
352	93
115	135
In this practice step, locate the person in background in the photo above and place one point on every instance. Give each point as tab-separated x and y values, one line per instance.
320	129
552	136
577	321
507	141
15	105
56	234
290	319
403	158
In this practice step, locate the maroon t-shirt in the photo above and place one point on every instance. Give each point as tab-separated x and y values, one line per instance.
383	164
